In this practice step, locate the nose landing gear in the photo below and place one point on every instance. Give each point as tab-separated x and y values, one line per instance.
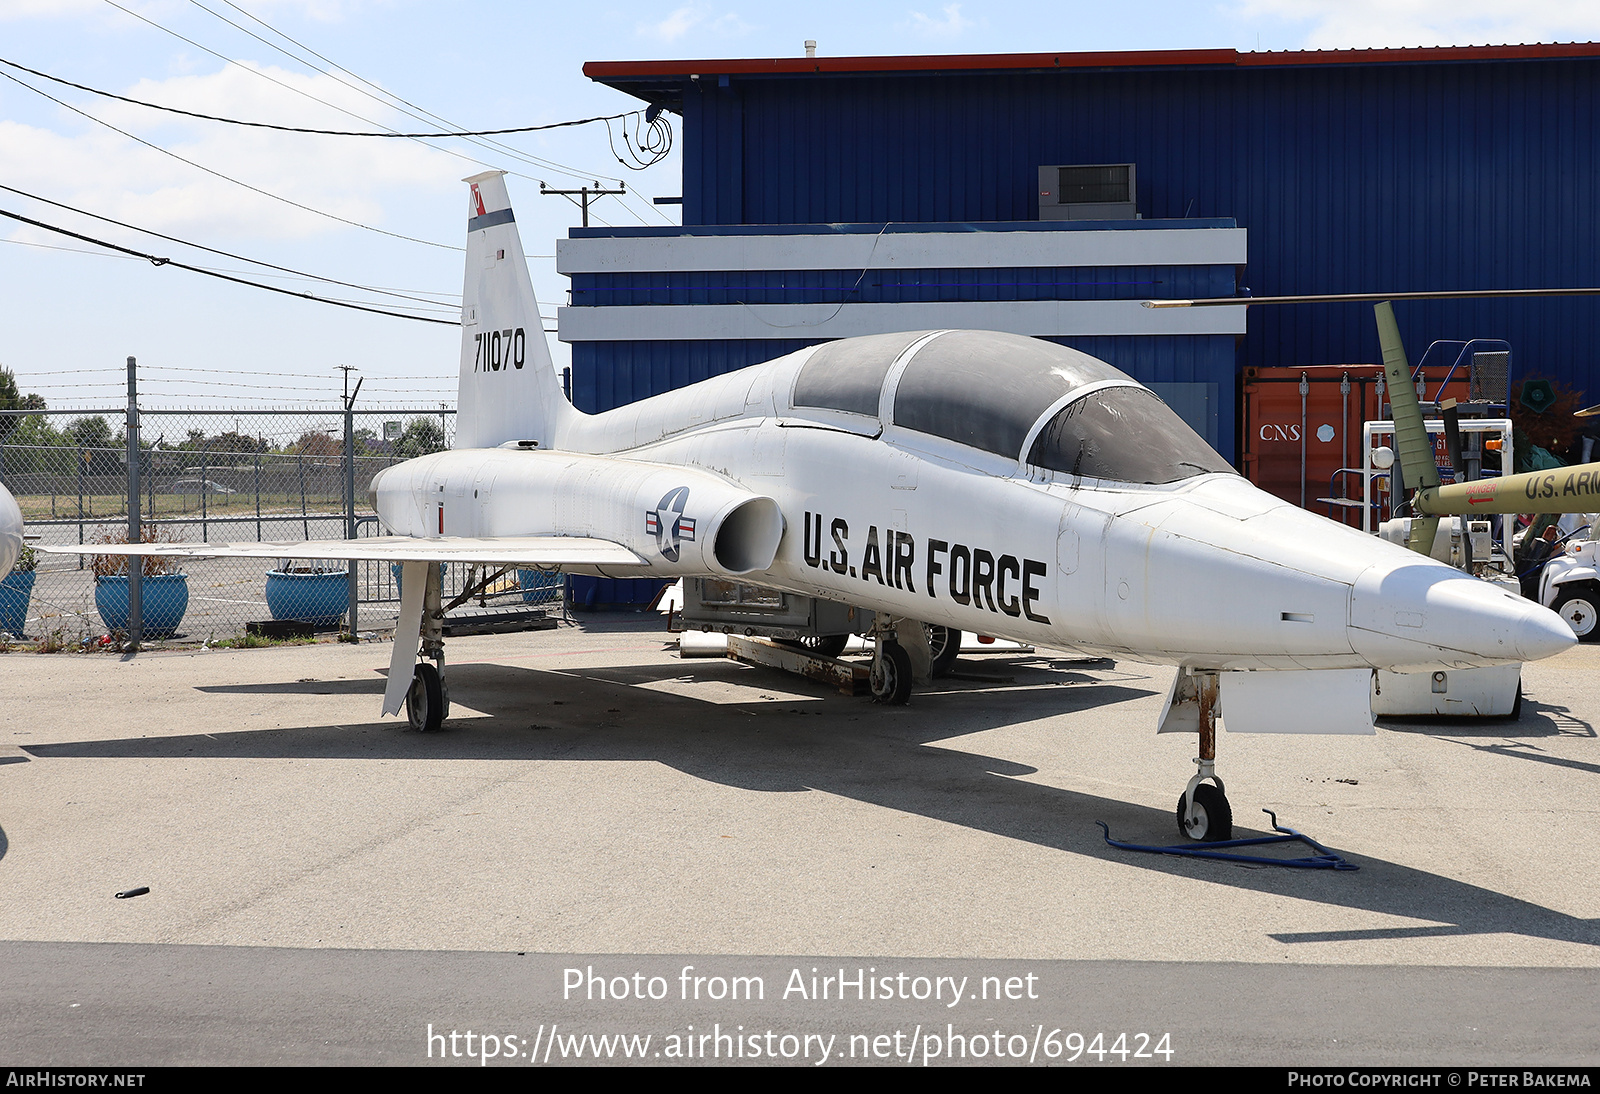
1204	814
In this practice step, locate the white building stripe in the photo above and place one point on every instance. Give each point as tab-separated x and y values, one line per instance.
908	250
702	322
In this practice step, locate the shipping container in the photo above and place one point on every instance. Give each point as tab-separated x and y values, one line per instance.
1300	430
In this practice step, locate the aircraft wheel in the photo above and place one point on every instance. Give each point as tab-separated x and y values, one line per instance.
1579	605
425	701
891	675
945	645
825	645
1213	815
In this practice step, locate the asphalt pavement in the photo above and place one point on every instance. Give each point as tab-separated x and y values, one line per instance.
328	886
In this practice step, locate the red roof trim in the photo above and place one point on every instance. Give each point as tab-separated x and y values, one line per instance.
624	70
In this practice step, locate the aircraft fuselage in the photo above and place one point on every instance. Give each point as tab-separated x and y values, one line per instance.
1209	572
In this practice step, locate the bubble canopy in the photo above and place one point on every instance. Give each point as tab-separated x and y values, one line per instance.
988	389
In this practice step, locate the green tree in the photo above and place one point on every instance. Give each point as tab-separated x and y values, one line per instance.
232	445
11	398
421	436
91	433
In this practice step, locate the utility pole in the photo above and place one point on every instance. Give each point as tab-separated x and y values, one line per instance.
350	491
582	194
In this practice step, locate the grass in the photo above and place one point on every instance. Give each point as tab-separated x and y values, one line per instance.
101	507
256	642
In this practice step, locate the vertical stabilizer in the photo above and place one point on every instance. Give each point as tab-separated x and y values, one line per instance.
508	390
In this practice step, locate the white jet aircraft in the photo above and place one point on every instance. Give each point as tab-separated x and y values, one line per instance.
972	480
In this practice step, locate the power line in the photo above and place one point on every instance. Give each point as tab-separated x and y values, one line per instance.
226	178
156	260
440	307
297	91
215	251
317	132
407	107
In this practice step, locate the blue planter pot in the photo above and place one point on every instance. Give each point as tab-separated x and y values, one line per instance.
318	599
165	598
539	586
15	592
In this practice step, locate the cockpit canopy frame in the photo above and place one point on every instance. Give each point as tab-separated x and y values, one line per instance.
989	390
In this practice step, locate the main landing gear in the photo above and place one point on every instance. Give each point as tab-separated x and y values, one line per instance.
906	652
1204	814
901	656
428	699
891	673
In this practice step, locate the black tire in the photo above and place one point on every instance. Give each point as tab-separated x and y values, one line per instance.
425	699
1579	605
824	645
944	643
1215	822
891	675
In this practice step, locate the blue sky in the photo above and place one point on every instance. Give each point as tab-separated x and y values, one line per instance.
68	319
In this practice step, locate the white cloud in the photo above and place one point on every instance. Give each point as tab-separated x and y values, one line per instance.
952	25
691	16
730	26
80	163
676	25
1345	24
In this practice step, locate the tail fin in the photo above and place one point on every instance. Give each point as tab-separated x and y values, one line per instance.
508	387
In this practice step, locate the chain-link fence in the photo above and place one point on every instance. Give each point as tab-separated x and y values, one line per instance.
211	477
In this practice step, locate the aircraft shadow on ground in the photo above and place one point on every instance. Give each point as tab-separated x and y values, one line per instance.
1537	720
847	747
362	686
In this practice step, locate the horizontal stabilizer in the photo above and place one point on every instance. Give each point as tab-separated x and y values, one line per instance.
503	550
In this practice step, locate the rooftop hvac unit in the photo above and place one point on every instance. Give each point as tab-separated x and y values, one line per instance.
1097	191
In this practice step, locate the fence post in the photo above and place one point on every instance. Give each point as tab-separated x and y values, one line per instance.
205	514
135	562
80	501
350	494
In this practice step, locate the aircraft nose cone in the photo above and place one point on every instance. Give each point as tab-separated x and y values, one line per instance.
1543	634
1417	615
1491	620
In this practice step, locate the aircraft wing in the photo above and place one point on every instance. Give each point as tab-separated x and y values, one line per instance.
503	550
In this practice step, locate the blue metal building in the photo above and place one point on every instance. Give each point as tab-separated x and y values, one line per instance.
824	197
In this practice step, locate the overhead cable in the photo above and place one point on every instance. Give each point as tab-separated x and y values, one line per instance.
384	95
227	178
159	261
320	132
215	251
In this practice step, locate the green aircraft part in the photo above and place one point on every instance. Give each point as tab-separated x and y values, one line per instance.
1413	446
1564	490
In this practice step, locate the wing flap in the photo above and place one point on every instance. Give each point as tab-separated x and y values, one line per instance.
505	550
